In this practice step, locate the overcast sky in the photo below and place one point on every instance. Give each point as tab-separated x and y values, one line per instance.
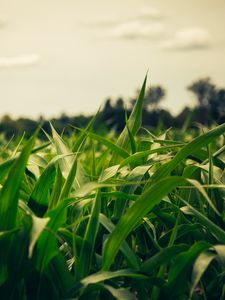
70	55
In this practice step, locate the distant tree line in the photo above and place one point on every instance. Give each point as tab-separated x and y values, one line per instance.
209	109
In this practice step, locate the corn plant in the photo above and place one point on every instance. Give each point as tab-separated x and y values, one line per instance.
138	216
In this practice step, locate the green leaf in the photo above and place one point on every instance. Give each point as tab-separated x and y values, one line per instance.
119	294
108	173
201	264
57	188
109	144
82	137
38	201
177	276
214	229
101	277
144	154
5	168
70	167
134	124
142	206
9	202
10	191
125	249
161	258
47	247
38	225
190	148
87	249
6	165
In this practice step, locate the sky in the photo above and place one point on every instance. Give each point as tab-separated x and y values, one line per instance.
69	56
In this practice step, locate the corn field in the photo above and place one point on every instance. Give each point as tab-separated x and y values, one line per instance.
134	216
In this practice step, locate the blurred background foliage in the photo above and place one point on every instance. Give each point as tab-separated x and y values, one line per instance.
209	110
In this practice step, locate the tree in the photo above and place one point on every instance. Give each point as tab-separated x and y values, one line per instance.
204	91
8	126
154	96
107	109
211	100
119	105
217	105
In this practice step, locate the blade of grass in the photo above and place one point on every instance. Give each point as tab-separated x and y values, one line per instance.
214	229
82	137
134	124
9	202
101	277
87	249
190	148
125	249
201	264
142	206
109	144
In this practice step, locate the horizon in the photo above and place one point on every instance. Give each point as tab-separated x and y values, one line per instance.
65	57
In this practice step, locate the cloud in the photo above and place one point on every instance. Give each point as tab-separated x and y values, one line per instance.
144	24
150	12
146	14
188	39
19	61
138	30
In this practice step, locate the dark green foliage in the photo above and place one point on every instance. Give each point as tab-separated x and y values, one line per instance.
210	110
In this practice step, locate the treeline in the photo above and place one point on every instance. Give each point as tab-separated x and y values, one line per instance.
209	109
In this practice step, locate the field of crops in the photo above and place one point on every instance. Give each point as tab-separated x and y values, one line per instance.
139	216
